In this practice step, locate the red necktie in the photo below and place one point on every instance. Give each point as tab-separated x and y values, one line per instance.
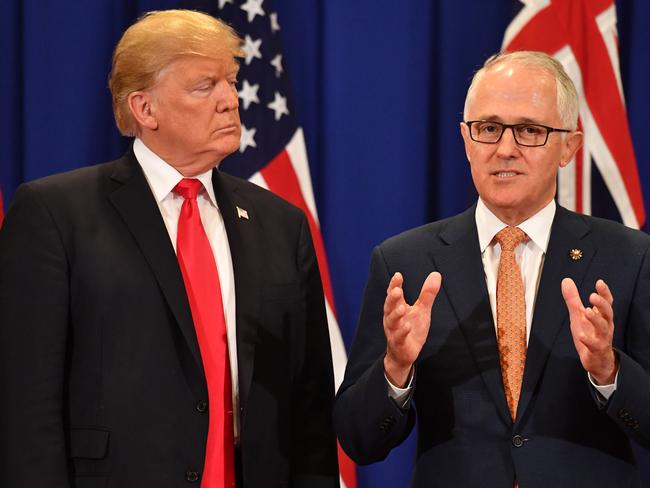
201	279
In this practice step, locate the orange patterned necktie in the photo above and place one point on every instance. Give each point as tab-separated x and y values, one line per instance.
511	316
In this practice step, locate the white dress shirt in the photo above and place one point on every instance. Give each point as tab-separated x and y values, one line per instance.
530	257
162	179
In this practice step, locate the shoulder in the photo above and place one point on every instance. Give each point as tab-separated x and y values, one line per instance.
71	189
605	233
264	201
74	182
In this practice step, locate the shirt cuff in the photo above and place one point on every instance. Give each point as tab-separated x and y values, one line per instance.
401	396
606	391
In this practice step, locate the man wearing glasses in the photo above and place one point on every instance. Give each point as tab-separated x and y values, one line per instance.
519	331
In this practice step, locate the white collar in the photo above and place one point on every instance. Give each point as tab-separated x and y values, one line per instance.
162	177
537	227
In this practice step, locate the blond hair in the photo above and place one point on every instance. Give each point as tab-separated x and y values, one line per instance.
155	41
566	95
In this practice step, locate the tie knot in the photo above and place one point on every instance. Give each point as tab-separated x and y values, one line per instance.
510	237
188	188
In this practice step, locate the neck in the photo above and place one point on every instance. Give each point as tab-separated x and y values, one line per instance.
189	166
514	216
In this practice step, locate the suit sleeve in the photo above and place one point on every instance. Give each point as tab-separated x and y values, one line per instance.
368	423
314	453
629	406
33	336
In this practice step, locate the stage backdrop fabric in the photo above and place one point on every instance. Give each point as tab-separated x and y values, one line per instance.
378	87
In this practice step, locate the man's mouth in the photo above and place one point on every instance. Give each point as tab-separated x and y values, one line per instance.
226	128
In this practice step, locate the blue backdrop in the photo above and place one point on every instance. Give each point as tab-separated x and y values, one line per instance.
379	88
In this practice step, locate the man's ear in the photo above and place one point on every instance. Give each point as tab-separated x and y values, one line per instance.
140	105
464	131
570	146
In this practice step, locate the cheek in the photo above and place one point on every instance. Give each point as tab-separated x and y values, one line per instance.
479	175
479	158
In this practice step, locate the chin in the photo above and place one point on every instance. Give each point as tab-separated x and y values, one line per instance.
224	148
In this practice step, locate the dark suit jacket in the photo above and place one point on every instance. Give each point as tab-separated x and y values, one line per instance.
562	437
101	380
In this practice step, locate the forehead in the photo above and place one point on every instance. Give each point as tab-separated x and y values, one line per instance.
515	92
188	68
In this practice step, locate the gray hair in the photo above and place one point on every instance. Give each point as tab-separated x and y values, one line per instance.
567	97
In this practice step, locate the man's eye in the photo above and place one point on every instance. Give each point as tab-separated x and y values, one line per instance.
530	130
488	128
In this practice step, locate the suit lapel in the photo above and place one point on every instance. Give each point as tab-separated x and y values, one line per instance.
136	204
568	232
244	237
460	264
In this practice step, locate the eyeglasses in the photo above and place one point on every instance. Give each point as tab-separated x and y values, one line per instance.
529	135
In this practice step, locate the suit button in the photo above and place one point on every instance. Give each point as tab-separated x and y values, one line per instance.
201	406
192	476
517	440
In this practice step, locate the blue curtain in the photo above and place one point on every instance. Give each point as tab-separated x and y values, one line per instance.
379	88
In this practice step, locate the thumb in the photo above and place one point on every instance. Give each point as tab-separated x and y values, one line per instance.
430	290
571	296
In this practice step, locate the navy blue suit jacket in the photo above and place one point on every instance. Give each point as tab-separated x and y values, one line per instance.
562	435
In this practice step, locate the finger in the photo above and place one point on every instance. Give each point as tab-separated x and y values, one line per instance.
396	281
595	343
602	307
398	335
393	318
394	294
603	290
599	332
571	297
600	327
429	290
586	340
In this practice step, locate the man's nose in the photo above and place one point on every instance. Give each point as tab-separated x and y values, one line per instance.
227	97
507	146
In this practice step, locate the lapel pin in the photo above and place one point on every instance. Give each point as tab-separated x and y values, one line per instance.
575	254
241	213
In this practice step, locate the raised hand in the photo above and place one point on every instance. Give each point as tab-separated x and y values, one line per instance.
406	326
592	329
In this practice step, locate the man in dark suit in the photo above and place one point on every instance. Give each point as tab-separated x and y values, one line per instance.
515	382
107	376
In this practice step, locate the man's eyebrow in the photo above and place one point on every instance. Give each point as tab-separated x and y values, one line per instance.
521	120
201	78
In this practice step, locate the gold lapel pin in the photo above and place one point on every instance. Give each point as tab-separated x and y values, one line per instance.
575	254
241	213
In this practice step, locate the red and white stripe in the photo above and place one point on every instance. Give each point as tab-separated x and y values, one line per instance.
288	176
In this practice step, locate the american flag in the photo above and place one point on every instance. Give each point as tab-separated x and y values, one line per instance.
272	151
582	35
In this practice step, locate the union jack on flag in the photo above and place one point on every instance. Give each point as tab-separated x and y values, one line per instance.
582	35
272	151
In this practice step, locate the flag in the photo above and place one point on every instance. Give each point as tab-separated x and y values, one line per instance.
272	151
582	35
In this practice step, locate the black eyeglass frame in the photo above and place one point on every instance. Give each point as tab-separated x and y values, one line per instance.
512	127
